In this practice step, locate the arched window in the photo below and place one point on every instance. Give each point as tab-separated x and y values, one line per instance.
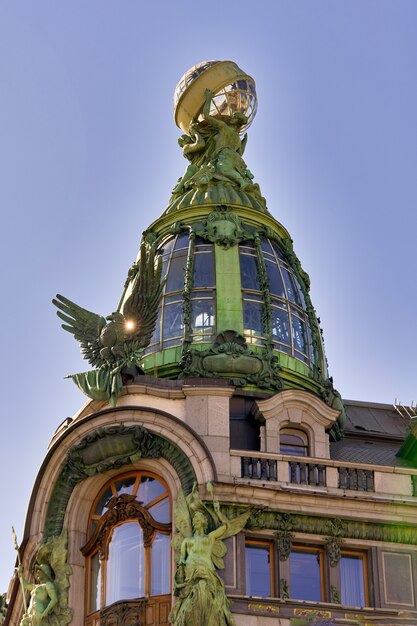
128	548
293	441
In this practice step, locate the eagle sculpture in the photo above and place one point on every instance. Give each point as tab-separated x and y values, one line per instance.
114	345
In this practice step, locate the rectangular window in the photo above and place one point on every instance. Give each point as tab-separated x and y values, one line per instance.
352	579
259	569
306	574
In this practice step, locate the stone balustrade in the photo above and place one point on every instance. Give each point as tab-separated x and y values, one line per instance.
323	473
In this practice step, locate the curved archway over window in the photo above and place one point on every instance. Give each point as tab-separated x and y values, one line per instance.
129	535
293	441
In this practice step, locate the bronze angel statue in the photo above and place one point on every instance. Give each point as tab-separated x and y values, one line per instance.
114	345
199	550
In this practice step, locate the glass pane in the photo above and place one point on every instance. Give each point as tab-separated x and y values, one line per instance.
305	581
277	251
249	272
161	511
299	334
156	336
167	247
125	485
125	565
291	286
258	571
101	504
95	583
176	274
173	321
182	241
280	325
275	281
161	565
164	266
352	587
203	270
290	443
252	318
202	317
149	489
300	293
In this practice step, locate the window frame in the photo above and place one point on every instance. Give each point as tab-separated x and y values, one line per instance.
363	555
324	587
280	570
290	430
263	543
99	539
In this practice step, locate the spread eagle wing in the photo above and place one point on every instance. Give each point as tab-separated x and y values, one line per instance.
141	306
182	521
84	325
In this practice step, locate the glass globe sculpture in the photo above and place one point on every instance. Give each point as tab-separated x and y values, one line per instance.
233	90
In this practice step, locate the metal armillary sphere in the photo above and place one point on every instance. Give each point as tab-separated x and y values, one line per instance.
233	90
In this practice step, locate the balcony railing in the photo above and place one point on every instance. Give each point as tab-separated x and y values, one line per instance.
259	468
356	479
302	473
323	473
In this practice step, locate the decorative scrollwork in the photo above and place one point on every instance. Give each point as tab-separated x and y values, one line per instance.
120	509
337	528
284	536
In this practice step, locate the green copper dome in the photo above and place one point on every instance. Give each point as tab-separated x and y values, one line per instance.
236	301
217	290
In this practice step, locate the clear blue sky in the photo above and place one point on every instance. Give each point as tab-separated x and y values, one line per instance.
88	156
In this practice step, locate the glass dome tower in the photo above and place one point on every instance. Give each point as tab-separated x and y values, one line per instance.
236	300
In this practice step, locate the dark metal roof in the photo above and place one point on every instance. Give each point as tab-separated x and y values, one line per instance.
366	452
373	434
380	419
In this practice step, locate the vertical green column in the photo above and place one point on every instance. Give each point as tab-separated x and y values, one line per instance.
228	290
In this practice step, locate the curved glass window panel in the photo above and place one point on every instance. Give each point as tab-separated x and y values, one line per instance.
156	336
95	583
176	272
266	246
352	583
249	272
202	317
305	575
203	270
258	570
125	564
161	511
125	485
300	292
167	247
173	325
276	285
252	318
291	286
161	564
181	241
277	250
103	500
280	323
299	334
149	489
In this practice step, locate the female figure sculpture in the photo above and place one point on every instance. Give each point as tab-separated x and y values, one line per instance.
200	591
